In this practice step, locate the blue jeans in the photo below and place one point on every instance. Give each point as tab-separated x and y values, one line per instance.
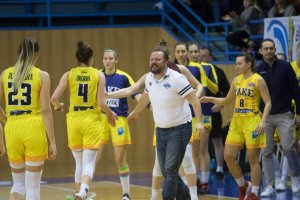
171	145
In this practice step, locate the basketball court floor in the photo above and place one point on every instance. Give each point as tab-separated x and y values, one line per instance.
107	187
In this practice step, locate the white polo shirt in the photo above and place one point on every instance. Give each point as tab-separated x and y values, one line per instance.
167	99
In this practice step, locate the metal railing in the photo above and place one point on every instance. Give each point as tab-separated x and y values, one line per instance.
181	21
203	33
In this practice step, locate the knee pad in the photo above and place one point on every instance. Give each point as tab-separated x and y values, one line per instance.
156	168
187	162
89	159
18	183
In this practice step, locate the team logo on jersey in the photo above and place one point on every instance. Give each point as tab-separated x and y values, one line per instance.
113	103
206	119
120	131
251	84
167	85
150	84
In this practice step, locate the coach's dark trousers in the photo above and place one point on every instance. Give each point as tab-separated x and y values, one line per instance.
171	145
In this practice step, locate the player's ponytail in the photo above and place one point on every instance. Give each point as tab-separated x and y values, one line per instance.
27	54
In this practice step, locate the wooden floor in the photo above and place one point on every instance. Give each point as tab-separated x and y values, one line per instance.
58	181
99	191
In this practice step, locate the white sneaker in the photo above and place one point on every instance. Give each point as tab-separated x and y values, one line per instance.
277	181
268	191
281	186
77	196
295	184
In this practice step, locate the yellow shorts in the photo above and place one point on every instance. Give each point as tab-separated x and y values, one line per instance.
242	130
120	134
206	121
26	139
84	130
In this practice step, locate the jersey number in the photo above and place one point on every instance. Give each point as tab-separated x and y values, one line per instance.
242	103
26	92
83	91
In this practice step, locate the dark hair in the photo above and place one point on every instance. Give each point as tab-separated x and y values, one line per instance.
187	48
163	45
163	50
206	48
193	43
248	58
266	40
84	52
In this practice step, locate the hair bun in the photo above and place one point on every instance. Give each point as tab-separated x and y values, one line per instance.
82	45
163	42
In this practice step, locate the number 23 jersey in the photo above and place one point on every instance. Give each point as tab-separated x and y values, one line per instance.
27	97
83	83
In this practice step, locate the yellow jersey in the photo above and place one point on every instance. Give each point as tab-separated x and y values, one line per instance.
198	72
247	96
26	100
83	84
296	70
212	78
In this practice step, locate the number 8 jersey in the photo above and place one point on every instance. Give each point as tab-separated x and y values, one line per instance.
83	84
25	100
247	96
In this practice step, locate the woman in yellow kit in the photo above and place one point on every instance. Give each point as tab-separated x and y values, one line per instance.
2	119
247	125
26	91
83	120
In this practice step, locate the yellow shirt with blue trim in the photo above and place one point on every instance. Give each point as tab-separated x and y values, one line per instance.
247	96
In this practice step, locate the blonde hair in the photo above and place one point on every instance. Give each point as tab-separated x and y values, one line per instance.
27	49
113	51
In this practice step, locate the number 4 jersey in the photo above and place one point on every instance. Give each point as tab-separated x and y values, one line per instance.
83	83
25	100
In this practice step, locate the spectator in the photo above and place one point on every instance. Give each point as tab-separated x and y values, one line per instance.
243	29
265	5
282	8
221	7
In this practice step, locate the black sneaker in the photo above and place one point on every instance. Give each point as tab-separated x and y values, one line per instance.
125	197
220	175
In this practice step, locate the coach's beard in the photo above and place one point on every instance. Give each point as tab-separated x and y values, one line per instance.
155	69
